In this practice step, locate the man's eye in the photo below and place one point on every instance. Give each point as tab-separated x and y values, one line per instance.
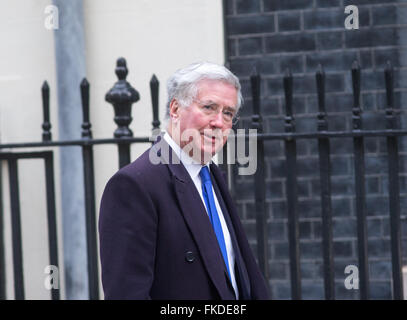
210	107
229	114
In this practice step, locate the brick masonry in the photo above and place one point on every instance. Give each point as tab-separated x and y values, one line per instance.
273	35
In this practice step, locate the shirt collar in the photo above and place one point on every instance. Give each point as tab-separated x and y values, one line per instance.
193	167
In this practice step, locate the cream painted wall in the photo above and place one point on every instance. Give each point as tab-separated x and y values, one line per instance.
155	36
27	60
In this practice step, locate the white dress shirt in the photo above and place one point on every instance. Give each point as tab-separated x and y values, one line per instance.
193	168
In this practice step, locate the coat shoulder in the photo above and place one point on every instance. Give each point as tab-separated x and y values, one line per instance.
143	167
140	174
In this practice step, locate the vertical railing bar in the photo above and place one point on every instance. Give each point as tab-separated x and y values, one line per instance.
50	197
359	163
233	162
124	153
2	245
16	230
394	189
91	232
229	164
223	158
292	191
89	181
259	177
51	215
325	178
86	125
46	126
154	89
224	164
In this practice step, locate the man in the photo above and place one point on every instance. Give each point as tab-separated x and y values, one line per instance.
168	226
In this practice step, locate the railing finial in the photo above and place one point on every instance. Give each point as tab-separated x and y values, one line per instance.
390	116
121	68
122	96
320	79
356	110
288	91
84	86
154	89
46	126
255	82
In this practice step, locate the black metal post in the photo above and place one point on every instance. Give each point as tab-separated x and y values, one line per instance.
359	163
2	247
394	189
91	231
260	187
16	230
292	191
124	154
46	126
223	165
122	96
51	215
325	178
230	163
89	181
84	87
154	89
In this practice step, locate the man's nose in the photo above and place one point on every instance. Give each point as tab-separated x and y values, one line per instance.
217	120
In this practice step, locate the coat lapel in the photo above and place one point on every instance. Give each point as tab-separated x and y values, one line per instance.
196	218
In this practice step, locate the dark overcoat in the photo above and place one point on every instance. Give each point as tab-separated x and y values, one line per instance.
157	242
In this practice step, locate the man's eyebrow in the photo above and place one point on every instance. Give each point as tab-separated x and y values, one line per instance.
213	102
208	102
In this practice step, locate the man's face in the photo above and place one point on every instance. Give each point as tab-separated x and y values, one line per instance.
203	126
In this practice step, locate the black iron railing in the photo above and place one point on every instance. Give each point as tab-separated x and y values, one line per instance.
323	136
121	96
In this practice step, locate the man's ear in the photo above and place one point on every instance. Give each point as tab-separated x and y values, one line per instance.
174	109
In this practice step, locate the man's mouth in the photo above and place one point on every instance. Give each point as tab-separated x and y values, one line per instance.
210	138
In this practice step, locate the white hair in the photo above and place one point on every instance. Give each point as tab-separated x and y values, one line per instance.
183	84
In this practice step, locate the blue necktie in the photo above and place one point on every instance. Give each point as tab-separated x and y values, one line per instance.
213	213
